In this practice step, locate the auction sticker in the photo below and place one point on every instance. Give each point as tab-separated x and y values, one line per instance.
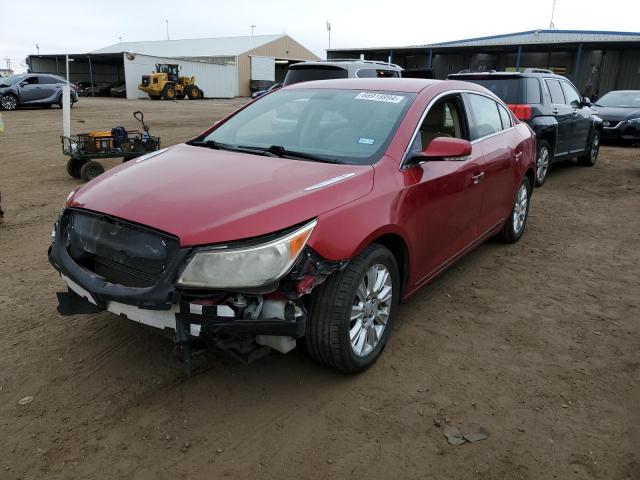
379	97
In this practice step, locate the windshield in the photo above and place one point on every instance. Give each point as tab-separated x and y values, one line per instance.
620	99
12	80
343	126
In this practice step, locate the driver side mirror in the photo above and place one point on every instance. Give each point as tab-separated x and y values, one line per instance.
24	83
443	148
586	102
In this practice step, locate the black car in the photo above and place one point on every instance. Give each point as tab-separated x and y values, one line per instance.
40	89
119	90
562	119
620	111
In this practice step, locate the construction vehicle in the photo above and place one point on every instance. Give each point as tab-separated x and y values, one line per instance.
167	83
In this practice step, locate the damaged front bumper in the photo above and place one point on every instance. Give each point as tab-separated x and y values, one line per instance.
104	266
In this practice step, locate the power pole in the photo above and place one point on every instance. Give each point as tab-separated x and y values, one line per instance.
252	27
38	48
167	22
329	32
553	11
8	60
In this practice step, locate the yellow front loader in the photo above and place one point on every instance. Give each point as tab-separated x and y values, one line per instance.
167	83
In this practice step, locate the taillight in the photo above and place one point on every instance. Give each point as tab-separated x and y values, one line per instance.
521	111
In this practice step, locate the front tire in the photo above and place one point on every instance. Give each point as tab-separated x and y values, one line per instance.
543	161
9	102
352	313
589	160
74	167
169	93
517	221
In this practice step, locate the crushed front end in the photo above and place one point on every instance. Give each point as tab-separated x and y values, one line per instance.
146	276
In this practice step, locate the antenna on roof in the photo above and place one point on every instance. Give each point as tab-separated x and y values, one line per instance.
553	11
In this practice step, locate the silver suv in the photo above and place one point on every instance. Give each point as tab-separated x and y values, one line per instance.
330	69
33	89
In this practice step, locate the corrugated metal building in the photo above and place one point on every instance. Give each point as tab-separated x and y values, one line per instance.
597	61
223	66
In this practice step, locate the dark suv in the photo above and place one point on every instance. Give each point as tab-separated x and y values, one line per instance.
561	118
33	90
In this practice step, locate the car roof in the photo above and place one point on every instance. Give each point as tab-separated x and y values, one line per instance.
481	75
350	64
409	85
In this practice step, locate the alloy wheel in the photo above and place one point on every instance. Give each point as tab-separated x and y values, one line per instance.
520	209
370	310
9	102
542	164
595	146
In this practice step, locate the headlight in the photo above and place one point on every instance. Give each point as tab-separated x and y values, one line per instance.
245	267
634	121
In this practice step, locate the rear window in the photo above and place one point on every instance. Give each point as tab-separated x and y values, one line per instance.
508	89
313	72
376	73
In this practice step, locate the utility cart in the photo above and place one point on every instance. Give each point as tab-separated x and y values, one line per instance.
85	149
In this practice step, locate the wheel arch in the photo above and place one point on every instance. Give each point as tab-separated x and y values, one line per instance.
398	247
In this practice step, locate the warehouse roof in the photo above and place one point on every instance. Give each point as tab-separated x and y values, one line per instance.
529	37
195	47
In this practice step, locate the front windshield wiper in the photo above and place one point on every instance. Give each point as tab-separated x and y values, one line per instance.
272	151
227	146
281	151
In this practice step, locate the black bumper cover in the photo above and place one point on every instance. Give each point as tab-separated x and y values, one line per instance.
160	296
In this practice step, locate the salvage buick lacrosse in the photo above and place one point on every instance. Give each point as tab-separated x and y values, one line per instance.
309	213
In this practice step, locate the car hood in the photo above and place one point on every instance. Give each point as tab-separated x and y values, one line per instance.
207	196
617	114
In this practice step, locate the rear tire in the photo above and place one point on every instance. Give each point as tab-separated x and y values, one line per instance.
74	166
543	162
91	170
8	102
591	157
517	221
335	327
169	92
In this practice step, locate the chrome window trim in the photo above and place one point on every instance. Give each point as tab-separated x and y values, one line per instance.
403	165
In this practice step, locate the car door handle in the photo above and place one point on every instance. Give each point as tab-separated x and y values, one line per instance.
477	177
554	111
517	156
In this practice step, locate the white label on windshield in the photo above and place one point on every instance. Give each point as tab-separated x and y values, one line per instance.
379	97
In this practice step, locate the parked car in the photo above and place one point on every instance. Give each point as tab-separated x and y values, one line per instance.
620	111
33	90
273	87
333	69
119	90
283	233
99	89
81	87
562	119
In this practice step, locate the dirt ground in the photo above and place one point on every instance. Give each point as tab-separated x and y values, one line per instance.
538	343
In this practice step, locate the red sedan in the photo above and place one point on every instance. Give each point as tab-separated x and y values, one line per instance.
308	213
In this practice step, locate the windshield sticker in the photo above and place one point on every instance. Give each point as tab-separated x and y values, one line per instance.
367	141
379	97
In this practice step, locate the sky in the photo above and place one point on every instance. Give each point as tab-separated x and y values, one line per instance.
79	26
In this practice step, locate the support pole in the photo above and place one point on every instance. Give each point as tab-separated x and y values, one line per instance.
66	110
575	72
91	76
518	54
430	58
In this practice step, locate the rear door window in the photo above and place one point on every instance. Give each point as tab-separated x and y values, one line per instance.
485	114
533	90
555	90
